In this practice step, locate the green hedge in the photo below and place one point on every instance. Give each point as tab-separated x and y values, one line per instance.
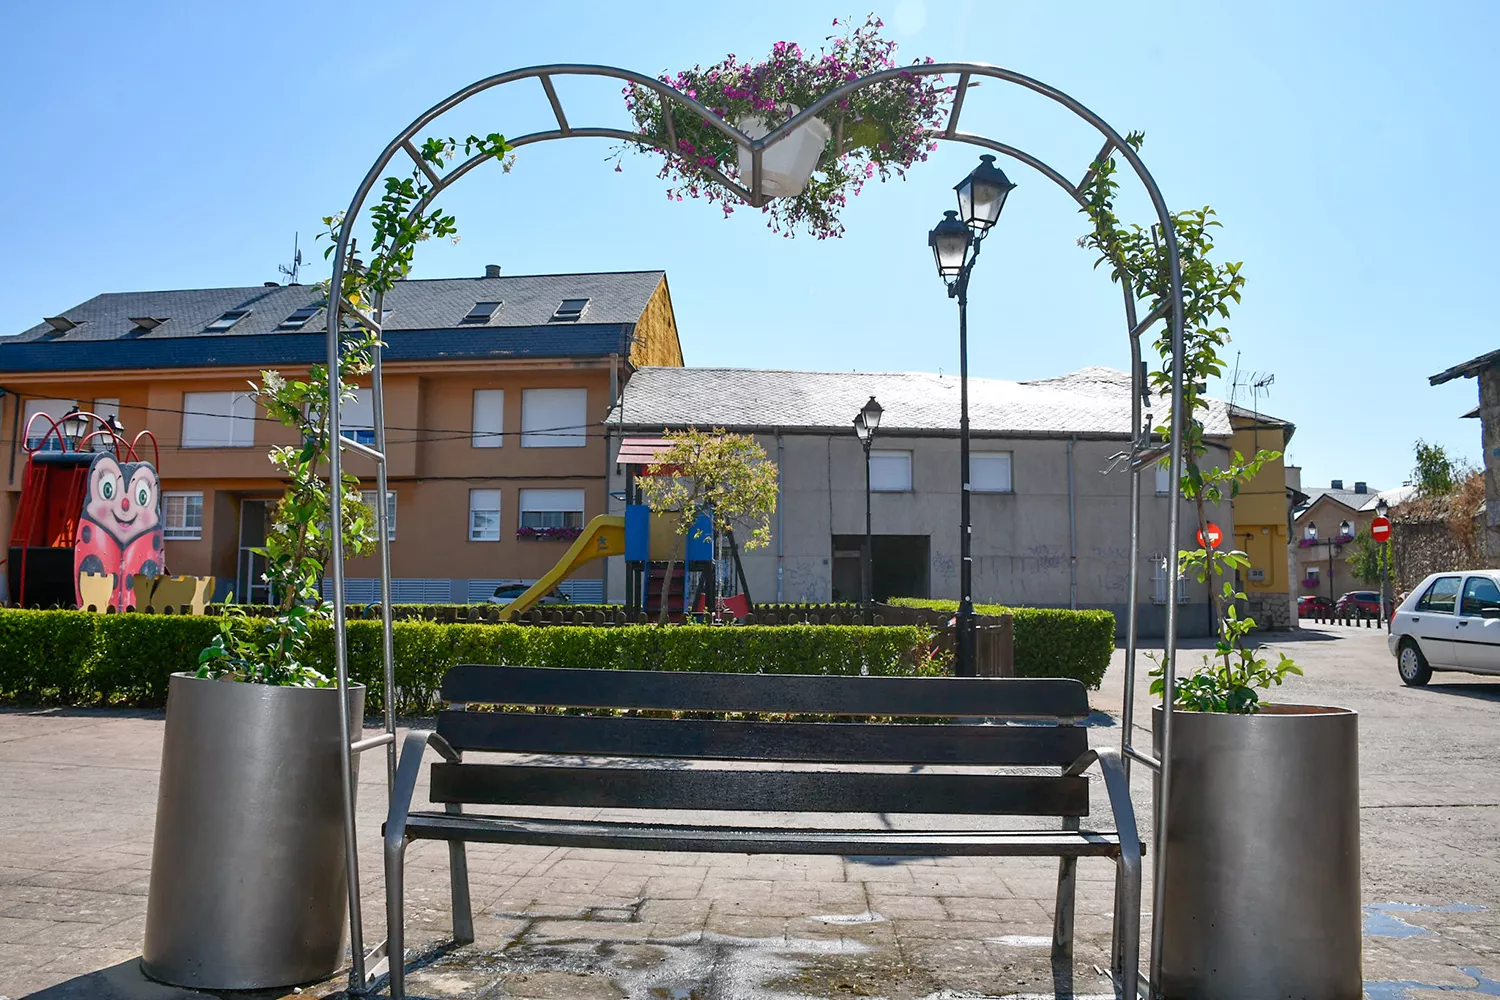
78	657
1049	642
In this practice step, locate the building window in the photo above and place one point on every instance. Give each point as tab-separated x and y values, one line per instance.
368	497
217	420
41	431
990	473
489	418
1163	480
890	471
357	418
542	509
1159	576
182	515
484	515
554	418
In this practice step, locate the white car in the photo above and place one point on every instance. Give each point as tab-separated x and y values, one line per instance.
1450	622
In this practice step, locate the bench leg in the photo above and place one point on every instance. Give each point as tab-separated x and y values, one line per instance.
395	917
1062	920
458	878
1127	943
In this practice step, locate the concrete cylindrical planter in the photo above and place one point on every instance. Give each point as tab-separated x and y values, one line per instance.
248	886
1262	887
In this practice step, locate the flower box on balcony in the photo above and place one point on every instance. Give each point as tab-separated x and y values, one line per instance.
548	534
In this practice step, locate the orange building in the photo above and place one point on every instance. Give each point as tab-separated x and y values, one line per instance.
496	390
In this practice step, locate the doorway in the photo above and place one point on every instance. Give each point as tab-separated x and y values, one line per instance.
250	575
900	566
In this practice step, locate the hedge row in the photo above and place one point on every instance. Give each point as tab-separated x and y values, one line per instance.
76	657
1049	642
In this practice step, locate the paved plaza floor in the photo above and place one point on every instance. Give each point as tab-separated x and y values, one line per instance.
77	807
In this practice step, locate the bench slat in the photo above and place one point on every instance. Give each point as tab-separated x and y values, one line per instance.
760	790
854	743
965	697
755	840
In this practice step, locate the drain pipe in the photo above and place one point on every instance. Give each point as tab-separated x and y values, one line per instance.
1072	530
780	546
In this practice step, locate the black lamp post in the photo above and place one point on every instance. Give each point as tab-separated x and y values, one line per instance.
1346	533
1383	553
866	422
981	196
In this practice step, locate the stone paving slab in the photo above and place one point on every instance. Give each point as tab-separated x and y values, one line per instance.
77	805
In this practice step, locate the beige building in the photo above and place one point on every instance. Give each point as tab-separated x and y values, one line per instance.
1051	498
496	390
1323	569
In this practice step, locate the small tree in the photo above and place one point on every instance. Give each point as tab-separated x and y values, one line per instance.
1370	560
1436	473
726	476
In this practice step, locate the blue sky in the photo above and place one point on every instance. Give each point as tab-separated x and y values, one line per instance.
1346	146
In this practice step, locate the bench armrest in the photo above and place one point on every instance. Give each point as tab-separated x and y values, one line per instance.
1118	787
407	771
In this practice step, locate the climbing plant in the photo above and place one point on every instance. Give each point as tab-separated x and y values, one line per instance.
1137	256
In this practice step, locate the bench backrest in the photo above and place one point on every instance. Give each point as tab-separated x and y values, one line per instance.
1041	733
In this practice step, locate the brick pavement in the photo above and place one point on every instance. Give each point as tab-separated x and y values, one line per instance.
77	799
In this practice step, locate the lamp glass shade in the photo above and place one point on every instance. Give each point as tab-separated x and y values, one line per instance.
1382	508
861	429
950	241
871	414
1345	529
73	425
981	195
1312	532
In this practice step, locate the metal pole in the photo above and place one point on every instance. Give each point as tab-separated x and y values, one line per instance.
1132	585
867	564
965	638
383	528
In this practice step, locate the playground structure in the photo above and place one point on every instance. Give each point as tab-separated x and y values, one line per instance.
604	536
88	530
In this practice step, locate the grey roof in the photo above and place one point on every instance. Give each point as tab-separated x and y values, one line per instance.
422	322
1468	369
1357	501
1092	401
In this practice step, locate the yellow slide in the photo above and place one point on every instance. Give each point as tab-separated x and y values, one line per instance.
604	536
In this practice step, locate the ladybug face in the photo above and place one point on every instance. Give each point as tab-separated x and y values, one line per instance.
122	499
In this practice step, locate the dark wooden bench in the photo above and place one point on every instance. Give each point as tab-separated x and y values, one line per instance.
1032	724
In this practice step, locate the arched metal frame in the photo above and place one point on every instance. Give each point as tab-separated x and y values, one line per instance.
1141	451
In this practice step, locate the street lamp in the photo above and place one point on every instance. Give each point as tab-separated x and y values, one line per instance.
73	426
981	196
866	423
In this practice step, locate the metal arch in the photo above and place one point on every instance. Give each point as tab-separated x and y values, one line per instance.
338	307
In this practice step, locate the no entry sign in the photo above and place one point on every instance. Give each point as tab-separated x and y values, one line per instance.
1214	536
1380	529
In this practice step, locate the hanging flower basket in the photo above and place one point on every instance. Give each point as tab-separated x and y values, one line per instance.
880	130
548	534
1311	583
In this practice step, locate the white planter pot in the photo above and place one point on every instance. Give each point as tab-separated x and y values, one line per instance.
786	166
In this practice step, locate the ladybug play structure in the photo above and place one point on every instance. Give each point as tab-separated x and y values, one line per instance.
88	532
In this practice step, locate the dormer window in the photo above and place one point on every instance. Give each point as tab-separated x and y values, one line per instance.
60	324
226	321
144	323
570	310
298	319
480	314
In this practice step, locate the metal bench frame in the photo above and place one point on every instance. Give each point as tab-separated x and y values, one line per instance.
1060	702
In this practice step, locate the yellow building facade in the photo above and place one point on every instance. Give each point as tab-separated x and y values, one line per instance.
1262	520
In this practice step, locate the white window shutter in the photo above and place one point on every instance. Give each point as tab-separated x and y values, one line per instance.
489	418
217	420
554	418
989	472
890	471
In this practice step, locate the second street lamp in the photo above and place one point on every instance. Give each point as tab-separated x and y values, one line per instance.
981	196
866	423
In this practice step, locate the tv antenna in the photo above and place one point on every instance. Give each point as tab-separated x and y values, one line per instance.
291	272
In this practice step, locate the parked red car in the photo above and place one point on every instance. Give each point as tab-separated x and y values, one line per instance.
1314	605
1359	604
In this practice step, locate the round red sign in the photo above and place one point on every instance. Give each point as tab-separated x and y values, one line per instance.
1380	529
1214	536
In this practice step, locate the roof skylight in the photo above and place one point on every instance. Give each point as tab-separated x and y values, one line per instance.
298	319
226	321
481	313
570	310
